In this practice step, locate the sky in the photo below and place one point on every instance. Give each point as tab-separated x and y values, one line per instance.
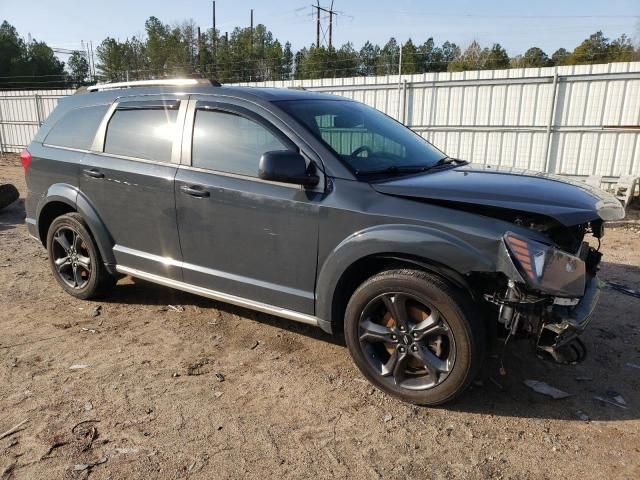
515	24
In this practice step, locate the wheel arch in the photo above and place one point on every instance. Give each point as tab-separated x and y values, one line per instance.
373	250
61	199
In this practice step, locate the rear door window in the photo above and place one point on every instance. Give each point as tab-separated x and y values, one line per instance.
227	142
142	133
77	128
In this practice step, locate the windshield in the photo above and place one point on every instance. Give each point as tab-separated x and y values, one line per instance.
366	140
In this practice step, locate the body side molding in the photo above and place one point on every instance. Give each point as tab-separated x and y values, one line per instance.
223	297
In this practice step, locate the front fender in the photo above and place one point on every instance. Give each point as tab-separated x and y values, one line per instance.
71	196
415	241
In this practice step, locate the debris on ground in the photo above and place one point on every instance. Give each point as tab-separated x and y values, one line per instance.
176	308
14	429
198	367
79	467
612	398
633	365
498	385
387	418
546	389
582	416
255	345
217	394
96	311
616	397
78	366
220	377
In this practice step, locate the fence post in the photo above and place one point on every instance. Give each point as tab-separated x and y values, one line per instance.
399	83
550	123
37	100
403	114
1	131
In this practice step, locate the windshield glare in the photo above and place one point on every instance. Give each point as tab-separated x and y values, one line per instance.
366	140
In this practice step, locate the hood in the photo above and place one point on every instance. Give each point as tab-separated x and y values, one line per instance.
567	201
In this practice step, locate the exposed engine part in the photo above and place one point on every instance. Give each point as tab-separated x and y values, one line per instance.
558	334
506	315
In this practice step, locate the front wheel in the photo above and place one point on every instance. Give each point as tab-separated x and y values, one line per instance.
414	336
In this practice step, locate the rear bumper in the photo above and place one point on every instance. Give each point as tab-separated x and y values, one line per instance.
32	227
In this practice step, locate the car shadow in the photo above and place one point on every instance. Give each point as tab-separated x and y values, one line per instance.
12	215
609	368
142	292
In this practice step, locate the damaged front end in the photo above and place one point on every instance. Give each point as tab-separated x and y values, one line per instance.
551	293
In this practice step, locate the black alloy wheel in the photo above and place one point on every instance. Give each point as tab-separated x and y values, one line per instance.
414	335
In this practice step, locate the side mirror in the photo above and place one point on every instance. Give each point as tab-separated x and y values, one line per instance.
286	166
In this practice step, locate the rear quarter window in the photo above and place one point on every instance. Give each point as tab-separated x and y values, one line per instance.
77	128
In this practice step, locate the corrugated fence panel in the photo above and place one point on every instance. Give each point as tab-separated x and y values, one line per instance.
22	113
575	120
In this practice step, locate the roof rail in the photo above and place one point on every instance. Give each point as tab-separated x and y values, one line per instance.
169	82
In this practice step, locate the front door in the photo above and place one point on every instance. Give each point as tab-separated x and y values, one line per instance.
241	235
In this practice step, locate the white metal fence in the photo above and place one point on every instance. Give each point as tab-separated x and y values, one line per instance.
573	120
22	112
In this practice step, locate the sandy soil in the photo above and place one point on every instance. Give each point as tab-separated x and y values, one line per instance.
148	403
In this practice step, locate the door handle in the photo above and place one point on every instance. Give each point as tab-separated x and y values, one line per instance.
93	173
194	191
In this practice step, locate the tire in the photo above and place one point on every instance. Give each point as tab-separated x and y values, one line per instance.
8	195
83	274
435	356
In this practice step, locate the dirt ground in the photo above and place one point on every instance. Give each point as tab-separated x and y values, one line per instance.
149	404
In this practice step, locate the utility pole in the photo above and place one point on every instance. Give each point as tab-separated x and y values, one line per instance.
252	29
214	35
199	49
331	13
93	61
317	25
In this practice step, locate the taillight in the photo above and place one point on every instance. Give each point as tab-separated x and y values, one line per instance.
25	158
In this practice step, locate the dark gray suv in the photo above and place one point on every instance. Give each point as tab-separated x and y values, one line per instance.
320	210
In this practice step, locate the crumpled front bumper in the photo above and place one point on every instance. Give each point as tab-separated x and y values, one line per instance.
559	338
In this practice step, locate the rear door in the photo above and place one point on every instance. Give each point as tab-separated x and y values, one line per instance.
128	178
241	235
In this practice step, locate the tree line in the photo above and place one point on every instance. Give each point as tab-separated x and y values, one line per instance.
255	54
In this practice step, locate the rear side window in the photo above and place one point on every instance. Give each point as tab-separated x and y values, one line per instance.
77	128
142	133
227	142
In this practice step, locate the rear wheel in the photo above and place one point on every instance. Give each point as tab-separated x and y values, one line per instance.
75	260
414	336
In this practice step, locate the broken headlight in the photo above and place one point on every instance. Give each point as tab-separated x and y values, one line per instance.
545	268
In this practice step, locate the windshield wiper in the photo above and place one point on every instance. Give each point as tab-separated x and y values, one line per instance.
412	168
447	161
394	169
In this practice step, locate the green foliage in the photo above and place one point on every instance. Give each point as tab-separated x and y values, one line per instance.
534	58
27	64
496	58
248	55
560	57
78	67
